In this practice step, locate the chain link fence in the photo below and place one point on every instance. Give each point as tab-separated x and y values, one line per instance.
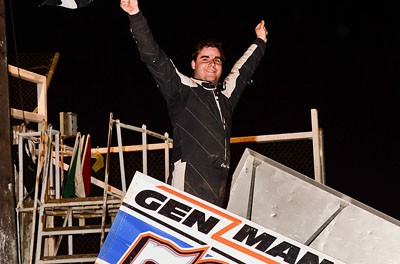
295	154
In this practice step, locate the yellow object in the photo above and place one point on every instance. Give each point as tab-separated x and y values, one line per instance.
99	163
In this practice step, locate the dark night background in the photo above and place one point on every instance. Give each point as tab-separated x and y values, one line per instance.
339	57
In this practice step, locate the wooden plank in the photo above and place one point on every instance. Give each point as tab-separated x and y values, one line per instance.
75	258
74	230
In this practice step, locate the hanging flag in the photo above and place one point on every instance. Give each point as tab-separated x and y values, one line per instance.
70	4
86	165
69	186
79	185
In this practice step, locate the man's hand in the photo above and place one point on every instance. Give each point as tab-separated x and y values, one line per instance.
130	6
261	31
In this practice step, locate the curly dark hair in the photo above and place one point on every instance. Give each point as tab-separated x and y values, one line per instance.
205	43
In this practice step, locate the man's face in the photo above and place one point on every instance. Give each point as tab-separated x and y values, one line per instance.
208	65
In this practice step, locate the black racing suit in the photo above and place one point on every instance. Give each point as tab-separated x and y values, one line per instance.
200	115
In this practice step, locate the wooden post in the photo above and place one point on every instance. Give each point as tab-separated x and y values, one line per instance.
8	233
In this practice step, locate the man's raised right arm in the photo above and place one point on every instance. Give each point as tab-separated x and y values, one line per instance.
157	62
